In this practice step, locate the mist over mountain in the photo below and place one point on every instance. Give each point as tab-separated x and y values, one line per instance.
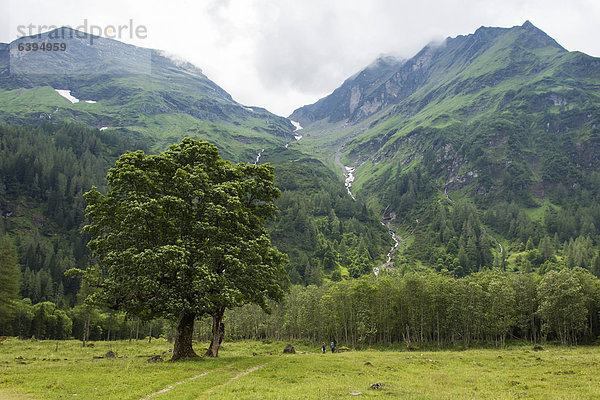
122	86
353	100
501	123
388	81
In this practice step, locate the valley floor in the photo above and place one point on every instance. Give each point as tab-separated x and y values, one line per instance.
254	370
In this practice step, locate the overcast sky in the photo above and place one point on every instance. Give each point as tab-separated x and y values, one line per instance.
282	54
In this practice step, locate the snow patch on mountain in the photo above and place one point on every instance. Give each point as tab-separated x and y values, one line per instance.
67	95
297	125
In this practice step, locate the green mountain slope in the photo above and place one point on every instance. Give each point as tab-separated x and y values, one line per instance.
44	171
133	89
325	232
499	127
143	99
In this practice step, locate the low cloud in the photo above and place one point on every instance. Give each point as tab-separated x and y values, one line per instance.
282	54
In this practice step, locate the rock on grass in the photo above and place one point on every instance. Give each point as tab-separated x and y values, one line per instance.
289	349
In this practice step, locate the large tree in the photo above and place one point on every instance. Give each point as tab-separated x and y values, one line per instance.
180	234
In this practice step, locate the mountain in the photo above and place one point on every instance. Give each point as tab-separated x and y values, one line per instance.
65	116
124	87
388	81
473	147
358	96
479	151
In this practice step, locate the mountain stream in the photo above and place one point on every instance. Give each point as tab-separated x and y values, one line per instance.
258	156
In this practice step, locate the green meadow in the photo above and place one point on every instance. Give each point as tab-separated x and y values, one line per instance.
255	370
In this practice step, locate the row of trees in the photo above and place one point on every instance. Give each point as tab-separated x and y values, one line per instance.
453	237
47	320
433	309
415	310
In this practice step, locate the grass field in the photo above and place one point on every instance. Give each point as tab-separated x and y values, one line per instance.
65	370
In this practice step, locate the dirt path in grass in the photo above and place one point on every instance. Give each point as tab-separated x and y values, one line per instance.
251	370
168	388
233	379
172	386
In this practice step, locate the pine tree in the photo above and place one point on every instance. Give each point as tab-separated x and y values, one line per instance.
472	253
546	247
36	290
529	245
313	274
60	293
10	274
596	265
462	258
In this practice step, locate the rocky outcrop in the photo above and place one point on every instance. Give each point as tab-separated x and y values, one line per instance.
289	349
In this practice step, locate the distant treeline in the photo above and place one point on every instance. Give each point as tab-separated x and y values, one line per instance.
46	320
486	308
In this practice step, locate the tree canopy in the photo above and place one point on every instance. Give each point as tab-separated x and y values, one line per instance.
180	234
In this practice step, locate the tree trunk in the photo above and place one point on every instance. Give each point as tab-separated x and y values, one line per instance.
218	332
86	329
183	337
131	330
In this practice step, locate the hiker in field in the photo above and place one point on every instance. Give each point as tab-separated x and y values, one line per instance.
323	348
332	347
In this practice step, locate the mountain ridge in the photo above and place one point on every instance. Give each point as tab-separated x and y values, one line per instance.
48	166
467	152
406	77
132	88
500	118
